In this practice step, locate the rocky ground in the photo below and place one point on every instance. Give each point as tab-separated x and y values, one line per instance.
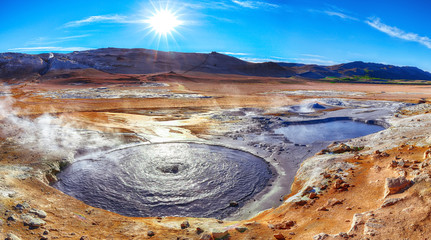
372	187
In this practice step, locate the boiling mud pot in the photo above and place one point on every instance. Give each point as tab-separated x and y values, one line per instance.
326	131
170	179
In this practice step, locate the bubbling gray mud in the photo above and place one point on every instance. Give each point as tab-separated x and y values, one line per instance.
170	179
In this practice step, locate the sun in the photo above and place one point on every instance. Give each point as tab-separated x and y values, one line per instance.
164	21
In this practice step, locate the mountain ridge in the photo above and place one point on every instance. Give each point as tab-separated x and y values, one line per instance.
147	61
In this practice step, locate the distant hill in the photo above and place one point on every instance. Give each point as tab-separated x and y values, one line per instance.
145	61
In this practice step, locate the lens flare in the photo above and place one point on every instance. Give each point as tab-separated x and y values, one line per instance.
164	21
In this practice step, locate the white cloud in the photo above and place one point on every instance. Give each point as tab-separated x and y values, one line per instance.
341	15
48	41
102	19
317	61
234	53
48	49
312	55
398	33
255	4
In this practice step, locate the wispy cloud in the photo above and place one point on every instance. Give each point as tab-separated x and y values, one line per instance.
311	55
255	4
48	49
102	19
398	33
234	53
258	60
208	4
49	41
317	61
340	15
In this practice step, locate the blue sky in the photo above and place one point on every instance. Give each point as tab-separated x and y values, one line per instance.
309	31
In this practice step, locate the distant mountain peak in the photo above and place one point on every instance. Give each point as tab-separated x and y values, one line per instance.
144	61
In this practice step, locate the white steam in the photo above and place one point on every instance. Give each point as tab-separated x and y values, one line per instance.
47	133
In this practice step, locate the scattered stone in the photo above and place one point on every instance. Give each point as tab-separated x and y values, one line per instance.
356	221
205	236
12	217
312	195
326	175
427	154
185	224
396	185
31	221
333	201
377	168
11	236
18	207
43	237
241	229
322	209
320	236
39	213
219	235
150	233
390	202
279	236
84	238
393	164
340	185
233	204
199	230
284	225
341	234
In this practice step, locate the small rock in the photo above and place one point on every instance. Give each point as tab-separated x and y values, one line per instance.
84	238
11	236
43	237
279	236
241	229
348	208
46	232
326	175
185	224
322	209
427	154
220	234
199	230
18	207
31	221
205	236
333	201
233	204
150	233
312	195
12	217
396	185
284	225
390	202
320	236
39	213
